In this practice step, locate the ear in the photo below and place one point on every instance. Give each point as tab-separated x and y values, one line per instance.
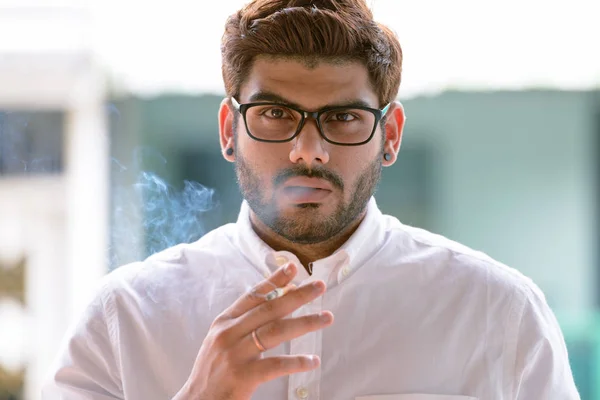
394	126
226	134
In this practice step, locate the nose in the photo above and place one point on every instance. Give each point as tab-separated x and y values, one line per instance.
309	145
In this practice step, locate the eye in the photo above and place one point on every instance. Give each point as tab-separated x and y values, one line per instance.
275	113
344	117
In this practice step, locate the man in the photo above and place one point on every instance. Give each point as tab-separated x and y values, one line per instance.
248	311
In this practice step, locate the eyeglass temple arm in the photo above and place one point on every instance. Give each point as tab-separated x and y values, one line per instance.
235	103
385	109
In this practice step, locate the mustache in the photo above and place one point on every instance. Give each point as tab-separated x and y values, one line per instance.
314	172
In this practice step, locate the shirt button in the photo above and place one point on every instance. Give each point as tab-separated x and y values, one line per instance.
345	271
281	260
302	393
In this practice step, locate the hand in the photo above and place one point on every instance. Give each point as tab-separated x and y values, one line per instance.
229	365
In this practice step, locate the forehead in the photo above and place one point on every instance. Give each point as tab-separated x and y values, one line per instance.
310	85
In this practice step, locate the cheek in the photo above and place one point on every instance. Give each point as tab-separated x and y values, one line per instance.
351	165
270	160
265	159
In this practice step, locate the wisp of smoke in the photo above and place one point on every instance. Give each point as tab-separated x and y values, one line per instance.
150	215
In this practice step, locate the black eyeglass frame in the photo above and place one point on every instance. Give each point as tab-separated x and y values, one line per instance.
243	108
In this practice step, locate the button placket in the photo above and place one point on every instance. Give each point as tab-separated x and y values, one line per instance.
306	385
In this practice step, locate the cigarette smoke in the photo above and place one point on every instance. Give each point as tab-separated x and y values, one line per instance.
168	216
150	215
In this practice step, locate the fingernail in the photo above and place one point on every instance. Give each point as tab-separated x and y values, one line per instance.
325	317
317	286
314	360
288	269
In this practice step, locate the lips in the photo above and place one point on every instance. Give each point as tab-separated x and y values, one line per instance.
304	182
301	190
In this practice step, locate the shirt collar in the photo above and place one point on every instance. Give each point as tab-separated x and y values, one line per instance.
361	246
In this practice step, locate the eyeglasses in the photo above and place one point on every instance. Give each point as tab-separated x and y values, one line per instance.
279	123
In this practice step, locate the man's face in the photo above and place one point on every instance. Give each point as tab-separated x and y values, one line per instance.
307	190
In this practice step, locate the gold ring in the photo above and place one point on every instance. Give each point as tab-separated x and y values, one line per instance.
257	342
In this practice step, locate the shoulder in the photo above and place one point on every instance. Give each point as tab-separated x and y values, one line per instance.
213	244
173	275
458	262
514	299
181	258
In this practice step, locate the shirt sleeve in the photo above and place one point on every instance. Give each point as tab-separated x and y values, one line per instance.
542	362
86	368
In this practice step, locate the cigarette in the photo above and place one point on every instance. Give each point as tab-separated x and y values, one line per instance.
273	294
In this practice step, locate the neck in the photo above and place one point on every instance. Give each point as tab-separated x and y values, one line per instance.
306	253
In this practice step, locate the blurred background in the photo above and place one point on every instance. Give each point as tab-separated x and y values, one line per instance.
109	151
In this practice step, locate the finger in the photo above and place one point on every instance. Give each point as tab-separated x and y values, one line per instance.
266	369
255	296
282	330
275	309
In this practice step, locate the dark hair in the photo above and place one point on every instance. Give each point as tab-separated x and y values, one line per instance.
311	31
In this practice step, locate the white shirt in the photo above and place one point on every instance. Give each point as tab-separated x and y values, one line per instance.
417	316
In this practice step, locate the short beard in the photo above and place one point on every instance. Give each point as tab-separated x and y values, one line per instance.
314	228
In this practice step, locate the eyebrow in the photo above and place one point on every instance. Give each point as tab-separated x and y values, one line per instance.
275	98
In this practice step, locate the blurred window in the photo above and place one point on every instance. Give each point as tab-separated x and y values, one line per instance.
31	142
